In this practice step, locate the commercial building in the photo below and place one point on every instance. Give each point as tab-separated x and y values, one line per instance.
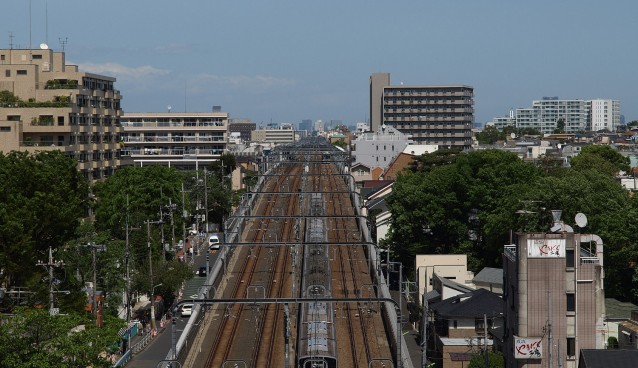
554	296
286	134
439	115
181	140
242	126
46	104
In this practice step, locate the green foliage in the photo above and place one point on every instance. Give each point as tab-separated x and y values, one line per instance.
600	158
560	126
495	360
489	135
33	338
470	202
612	342
42	200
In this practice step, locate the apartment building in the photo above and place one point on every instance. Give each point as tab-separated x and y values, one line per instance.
181	140
438	115
575	115
46	104
554	297
605	114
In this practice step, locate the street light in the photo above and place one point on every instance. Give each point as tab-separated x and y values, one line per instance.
153	307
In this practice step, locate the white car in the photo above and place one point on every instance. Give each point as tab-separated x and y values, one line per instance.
213	242
186	310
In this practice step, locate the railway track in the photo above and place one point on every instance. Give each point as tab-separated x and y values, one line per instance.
253	334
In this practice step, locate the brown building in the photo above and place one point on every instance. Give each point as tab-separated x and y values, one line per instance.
46	104
553	290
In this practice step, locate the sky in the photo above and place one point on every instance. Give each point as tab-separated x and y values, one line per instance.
287	60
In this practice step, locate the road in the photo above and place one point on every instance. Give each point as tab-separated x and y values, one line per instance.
156	351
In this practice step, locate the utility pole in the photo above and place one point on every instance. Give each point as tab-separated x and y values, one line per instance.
205	203
487	359
128	282
49	266
184	217
150	268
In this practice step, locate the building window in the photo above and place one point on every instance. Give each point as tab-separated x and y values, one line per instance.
571	347
569	258
7	73
5	129
571	302
37	56
456	324
22	72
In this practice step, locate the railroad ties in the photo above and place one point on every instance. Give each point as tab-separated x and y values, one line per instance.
299	237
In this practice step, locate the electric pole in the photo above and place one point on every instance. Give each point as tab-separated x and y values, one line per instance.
49	266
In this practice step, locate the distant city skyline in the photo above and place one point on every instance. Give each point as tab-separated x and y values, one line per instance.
286	61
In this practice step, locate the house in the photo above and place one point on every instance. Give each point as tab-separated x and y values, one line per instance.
446	267
459	326
593	358
489	279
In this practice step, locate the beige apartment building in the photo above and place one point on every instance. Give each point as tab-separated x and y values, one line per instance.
277	136
434	115
46	104
182	140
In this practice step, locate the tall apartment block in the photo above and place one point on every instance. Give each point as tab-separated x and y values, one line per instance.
577	115
554	297
242	126
49	105
180	140
436	115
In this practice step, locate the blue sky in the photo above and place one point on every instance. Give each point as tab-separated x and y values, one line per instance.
288	60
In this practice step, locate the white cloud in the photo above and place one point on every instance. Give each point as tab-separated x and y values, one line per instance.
118	70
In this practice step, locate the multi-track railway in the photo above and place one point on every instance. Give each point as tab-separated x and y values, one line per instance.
301	240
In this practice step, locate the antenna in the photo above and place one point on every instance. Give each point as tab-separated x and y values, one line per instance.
46	20
581	220
63	42
11	36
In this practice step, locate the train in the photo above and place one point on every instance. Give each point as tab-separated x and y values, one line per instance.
316	337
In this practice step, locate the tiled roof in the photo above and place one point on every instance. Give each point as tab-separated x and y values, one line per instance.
474	304
590	358
490	276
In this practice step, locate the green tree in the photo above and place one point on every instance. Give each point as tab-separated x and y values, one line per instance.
495	360
43	197
489	135
601	158
33	338
560	126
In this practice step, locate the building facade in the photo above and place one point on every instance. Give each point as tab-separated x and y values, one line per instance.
378	149
277	136
181	140
439	115
49	105
554	296
575	116
605	114
243	127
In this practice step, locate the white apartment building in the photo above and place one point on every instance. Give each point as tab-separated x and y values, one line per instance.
285	134
181	140
605	114
577	115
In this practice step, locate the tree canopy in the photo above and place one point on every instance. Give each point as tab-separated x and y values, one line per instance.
470	203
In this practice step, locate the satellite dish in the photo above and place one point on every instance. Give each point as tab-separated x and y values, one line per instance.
44	46
581	220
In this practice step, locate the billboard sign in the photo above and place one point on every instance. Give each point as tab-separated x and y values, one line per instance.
528	347
546	248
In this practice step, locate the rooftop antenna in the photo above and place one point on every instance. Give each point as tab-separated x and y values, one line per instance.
29	24
185	96
11	36
46	20
63	42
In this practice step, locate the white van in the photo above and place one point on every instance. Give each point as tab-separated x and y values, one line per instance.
213	242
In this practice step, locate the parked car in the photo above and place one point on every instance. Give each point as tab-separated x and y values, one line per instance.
202	271
213	242
186	310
